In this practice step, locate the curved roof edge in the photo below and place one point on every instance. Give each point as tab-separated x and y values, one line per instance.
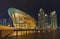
14	10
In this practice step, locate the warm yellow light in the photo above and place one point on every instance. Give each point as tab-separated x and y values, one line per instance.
16	14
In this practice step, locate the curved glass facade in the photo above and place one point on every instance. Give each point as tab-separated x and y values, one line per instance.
21	19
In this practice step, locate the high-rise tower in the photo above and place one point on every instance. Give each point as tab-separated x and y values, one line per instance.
53	18
41	18
46	20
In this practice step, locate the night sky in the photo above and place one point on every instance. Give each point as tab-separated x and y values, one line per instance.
31	7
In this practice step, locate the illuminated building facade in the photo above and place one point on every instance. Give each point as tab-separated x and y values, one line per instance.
21	19
41	18
46	20
53	18
3	22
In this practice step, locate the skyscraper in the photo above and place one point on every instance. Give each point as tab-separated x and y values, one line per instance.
4	22
41	18
46	20
53	18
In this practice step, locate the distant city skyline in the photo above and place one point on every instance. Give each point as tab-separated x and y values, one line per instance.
31	7
43	19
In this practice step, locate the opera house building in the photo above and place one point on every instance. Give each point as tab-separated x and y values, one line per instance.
21	19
